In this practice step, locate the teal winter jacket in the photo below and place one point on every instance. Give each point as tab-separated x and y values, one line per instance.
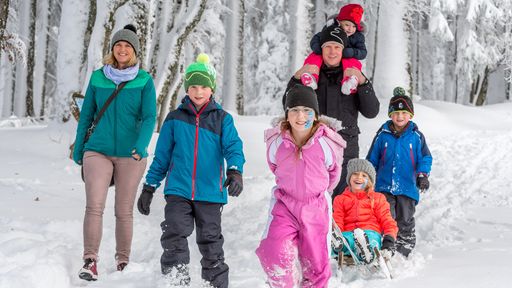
191	151
127	123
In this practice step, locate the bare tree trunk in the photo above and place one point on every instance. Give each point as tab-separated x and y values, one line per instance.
172	68
375	41
478	91
319	15
292	40
4	14
13	89
46	56
410	65
109	25
29	100
417	78
232	88
174	97
508	91
482	92
50	67
456	56
299	33
91	19
240	75
141	20
156	41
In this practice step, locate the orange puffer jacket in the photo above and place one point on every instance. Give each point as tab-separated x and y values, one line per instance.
365	210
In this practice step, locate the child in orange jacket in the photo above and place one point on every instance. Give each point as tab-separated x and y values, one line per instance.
359	207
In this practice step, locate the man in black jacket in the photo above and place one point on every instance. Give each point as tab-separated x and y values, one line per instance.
335	104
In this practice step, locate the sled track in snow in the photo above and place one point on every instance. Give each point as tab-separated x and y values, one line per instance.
468	171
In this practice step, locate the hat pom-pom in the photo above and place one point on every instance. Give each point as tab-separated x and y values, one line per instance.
203	58
399	91
131	27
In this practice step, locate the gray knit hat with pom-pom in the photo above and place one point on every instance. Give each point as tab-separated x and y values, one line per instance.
128	34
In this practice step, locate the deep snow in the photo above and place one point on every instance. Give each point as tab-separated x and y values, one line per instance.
464	222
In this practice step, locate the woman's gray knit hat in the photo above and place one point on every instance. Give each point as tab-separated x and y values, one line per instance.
360	165
128	34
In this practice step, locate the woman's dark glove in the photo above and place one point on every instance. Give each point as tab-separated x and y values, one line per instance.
234	182
145	199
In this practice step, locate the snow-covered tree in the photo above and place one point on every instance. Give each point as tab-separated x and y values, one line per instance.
458	51
268	46
233	76
391	61
50	32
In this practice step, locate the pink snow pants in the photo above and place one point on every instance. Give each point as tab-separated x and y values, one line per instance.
317	60
297	230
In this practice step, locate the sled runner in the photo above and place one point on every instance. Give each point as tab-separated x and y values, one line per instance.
376	265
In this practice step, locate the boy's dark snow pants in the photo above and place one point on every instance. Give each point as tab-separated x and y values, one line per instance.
402	210
180	214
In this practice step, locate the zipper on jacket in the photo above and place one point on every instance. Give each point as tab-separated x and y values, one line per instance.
115	123
299	176
196	142
220	179
412	161
168	173
383	157
195	158
357	210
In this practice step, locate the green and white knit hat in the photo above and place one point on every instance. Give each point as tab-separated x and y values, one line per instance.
201	73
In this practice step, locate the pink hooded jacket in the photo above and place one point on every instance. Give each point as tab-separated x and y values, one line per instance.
300	174
300	208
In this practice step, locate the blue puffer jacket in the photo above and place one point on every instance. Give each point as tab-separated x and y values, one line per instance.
399	159
191	150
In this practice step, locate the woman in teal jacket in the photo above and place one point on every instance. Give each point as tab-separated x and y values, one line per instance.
117	147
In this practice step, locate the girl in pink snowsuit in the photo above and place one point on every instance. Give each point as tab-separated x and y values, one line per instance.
305	155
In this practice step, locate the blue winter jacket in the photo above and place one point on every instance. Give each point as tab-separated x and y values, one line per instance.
399	159
191	150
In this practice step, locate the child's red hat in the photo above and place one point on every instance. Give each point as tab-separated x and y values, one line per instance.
352	13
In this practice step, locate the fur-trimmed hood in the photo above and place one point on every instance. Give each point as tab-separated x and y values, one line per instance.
327	131
332	124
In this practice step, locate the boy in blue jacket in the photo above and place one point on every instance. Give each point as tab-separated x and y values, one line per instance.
194	141
403	161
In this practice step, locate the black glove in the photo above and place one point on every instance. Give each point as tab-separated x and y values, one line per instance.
145	199
422	181
234	182
388	243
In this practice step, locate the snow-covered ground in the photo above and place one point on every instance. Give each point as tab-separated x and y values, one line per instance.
464	222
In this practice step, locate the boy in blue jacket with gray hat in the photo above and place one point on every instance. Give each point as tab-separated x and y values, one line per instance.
401	157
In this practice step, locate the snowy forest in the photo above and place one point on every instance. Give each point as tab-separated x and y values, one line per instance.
449	50
454	57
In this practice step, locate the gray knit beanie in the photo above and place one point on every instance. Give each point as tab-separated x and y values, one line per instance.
128	34
360	165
